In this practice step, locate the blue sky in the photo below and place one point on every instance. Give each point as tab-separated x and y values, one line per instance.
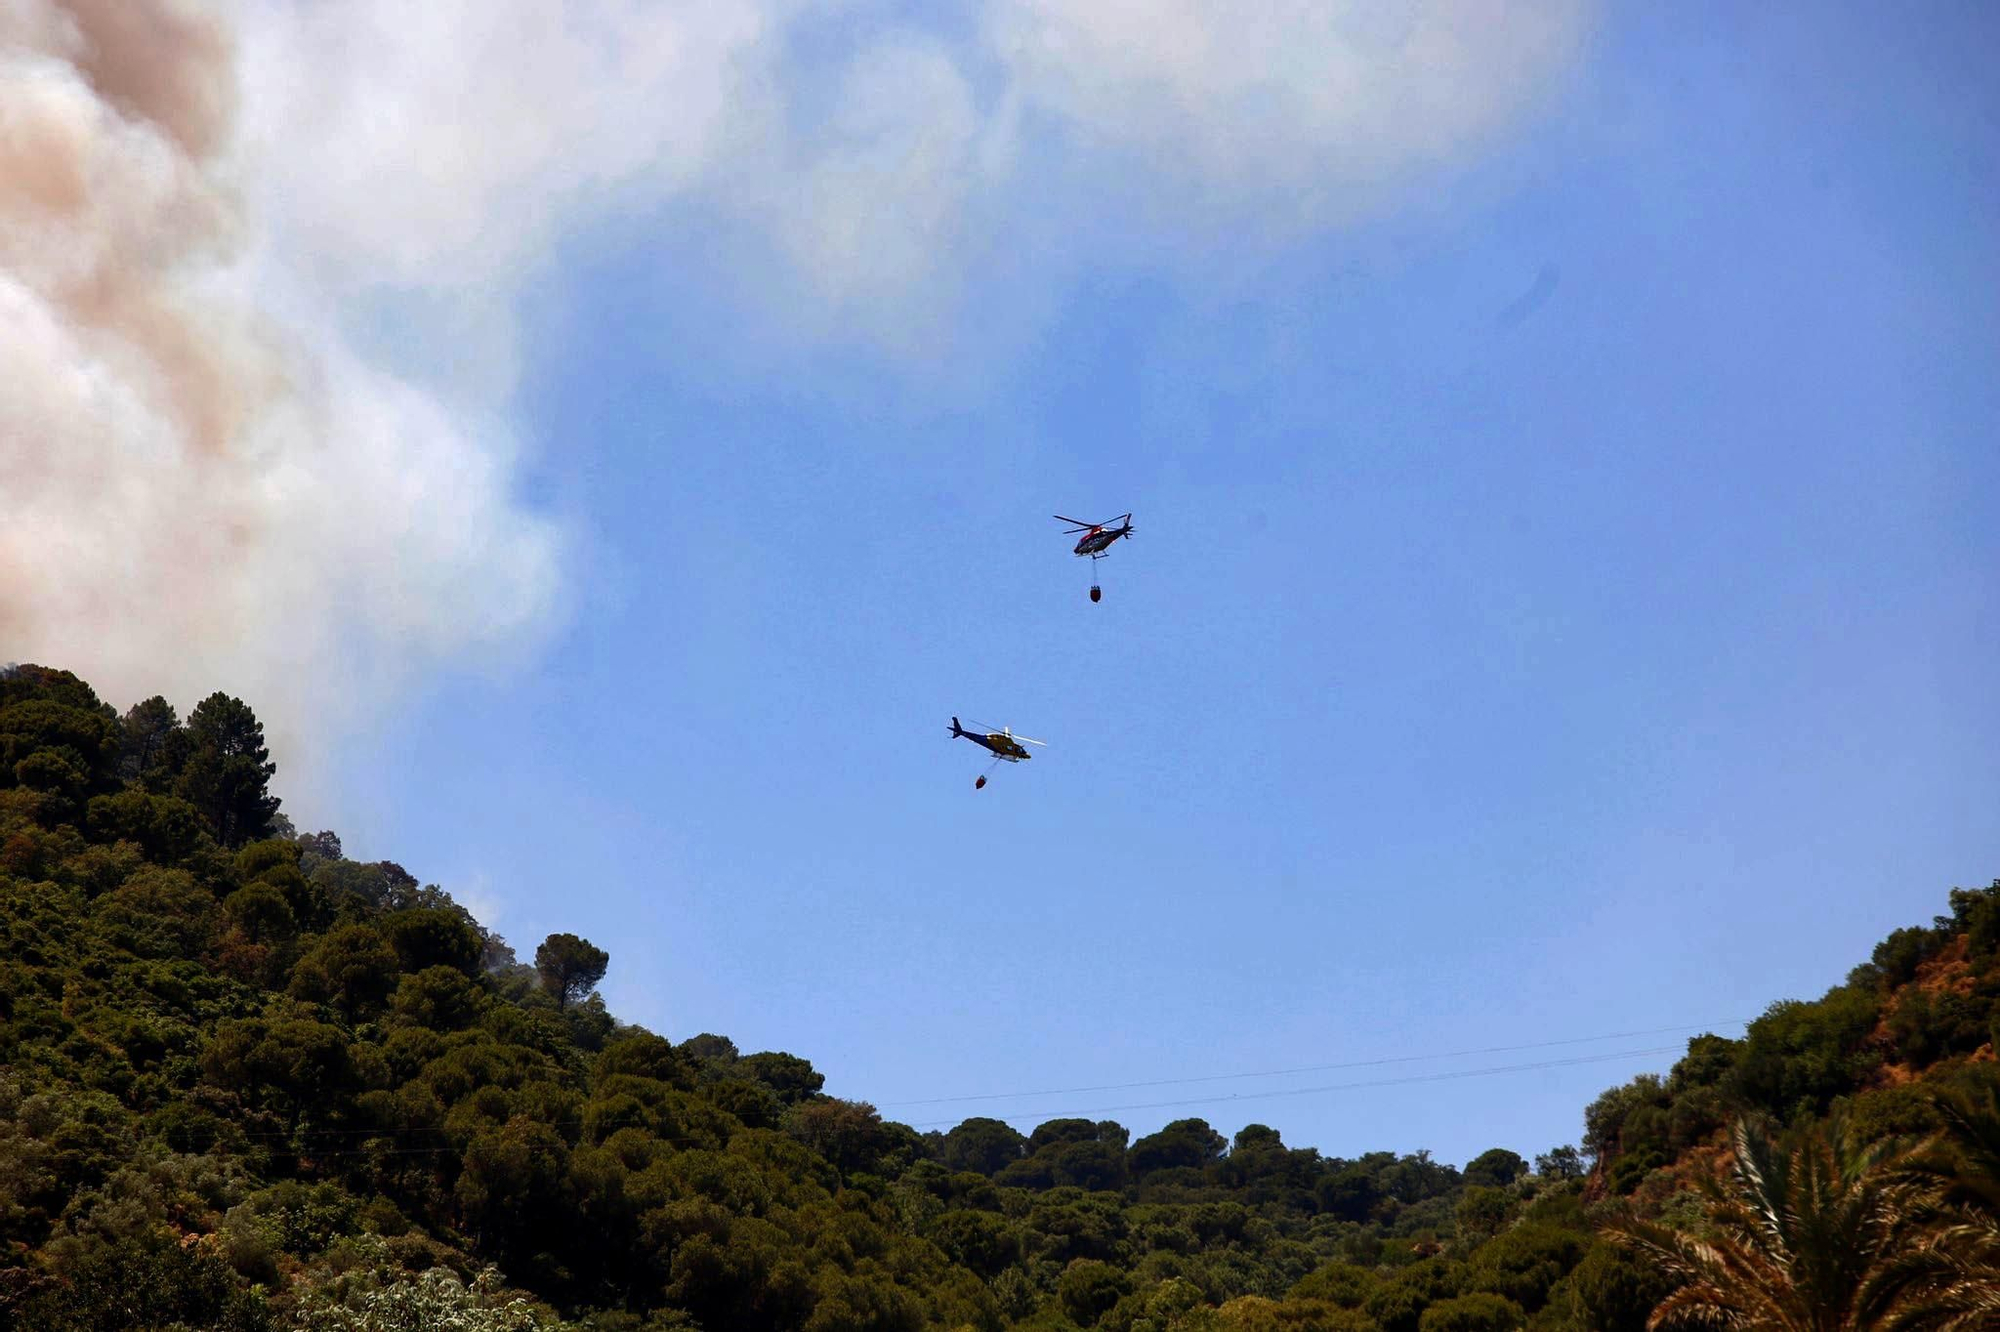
1562	604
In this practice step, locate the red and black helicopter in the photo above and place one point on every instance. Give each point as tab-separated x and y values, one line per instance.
1096	541
1003	744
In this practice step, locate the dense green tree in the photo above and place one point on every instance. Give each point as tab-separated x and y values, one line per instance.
1525	1262
792	1078
261	912
29	681
1481	1211
1185	1144
710	1048
1605	1120
352	968
1256	1137
570	967
325	844
85	738
642	1054
1609	1291
1707	1061
1798	1056
1975	914
1071	1153
850	1134
1399	1303
1496	1167
228	769
1347	1285
515	1186
59	778
983	1241
1352	1192
1926	1027
1416	1177
170	831
1564	1162
151	745
1057	1132
1477	1312
432	937
439	999
160	913
143	1283
294	1062
1089	1289
1067	1161
987	1146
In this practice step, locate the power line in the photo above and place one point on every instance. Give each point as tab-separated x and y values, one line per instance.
404	1132
1044	1116
1313	1068
1041	1116
308	1133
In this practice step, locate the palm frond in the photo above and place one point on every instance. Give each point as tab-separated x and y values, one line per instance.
1818	1233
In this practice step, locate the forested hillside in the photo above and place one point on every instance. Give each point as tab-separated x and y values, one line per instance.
251	1083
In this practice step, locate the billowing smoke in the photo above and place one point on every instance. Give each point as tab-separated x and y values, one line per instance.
194	493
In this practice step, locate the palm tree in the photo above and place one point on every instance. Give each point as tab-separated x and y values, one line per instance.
1950	1278
1963	1162
1799	1240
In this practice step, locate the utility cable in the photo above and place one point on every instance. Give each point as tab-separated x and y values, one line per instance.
1039	1116
1315	1068
406	1131
1045	1116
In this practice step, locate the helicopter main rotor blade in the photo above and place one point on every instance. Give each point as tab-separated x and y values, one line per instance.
1079	523
984	729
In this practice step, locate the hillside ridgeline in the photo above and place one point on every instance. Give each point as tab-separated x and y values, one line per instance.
250	1083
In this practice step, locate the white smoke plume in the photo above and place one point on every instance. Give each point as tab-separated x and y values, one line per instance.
218	471
194	492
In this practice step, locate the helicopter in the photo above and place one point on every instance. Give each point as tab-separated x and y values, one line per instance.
1003	743
1096	542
